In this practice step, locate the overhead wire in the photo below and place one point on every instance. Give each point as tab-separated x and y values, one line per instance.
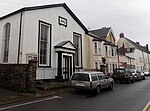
15	2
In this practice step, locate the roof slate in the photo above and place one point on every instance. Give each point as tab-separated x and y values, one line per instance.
101	32
138	46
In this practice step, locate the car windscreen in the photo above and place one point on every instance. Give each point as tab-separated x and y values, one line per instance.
132	71
119	71
80	77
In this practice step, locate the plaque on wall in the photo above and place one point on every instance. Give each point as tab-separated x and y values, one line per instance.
62	21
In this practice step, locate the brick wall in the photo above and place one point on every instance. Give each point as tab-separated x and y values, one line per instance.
18	77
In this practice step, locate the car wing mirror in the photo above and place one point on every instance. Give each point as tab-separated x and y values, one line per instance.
107	77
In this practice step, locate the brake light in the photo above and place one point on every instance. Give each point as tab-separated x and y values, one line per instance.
91	85
125	76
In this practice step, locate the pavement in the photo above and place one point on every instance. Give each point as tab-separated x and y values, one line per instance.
52	88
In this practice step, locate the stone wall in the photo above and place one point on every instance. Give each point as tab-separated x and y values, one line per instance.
18	77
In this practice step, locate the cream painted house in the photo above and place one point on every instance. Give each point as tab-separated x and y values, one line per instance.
101	50
134	50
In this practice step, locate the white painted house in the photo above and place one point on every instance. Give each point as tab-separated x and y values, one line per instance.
138	53
51	34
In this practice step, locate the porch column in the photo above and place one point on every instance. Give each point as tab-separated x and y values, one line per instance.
73	63
59	70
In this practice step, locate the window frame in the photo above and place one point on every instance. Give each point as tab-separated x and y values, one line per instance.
106	50
97	47
79	64
6	39
96	65
49	37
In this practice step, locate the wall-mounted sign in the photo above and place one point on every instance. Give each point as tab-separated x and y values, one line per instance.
62	21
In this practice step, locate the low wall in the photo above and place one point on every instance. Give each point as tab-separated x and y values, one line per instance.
18	77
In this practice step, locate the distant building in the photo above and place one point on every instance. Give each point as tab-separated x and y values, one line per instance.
137	56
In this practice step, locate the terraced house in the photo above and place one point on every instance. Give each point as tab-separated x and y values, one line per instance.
50	34
137	56
101	53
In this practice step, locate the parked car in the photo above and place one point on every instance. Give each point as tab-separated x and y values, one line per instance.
147	73
142	75
137	74
123	74
91	81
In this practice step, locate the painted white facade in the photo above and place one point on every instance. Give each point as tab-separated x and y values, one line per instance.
140	56
14	37
30	36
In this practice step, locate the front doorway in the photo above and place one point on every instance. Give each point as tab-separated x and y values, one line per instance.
67	67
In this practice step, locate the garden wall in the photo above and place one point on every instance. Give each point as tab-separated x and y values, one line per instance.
18	77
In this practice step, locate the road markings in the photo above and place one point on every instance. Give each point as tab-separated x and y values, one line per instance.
23	104
147	107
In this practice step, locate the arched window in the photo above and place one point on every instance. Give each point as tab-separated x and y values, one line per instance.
6	42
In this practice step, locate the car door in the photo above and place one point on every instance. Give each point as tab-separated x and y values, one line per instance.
106	80
101	80
95	80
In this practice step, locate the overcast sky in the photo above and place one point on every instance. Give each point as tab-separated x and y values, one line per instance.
132	17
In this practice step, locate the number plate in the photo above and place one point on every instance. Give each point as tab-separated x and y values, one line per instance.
80	84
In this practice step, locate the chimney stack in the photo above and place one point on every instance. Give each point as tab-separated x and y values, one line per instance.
138	43
147	48
121	35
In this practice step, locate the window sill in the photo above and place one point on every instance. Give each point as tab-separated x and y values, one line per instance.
97	54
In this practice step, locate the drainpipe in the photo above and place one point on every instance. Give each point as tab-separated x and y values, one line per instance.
143	60
118	55
19	43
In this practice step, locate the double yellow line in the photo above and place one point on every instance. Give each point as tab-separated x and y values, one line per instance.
147	107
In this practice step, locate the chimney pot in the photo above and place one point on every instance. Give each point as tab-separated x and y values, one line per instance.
121	35
138	43
147	48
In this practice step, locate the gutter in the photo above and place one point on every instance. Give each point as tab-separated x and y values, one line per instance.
19	43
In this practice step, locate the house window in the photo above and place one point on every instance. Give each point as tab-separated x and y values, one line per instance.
99	47
113	67
140	59
106	51
95	47
78	43
96	65
6	42
115	52
44	44
112	51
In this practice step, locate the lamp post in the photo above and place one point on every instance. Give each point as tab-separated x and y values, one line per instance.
118	55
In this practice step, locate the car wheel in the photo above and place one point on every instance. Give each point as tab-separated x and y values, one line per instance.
133	80
129	81
98	90
76	90
111	86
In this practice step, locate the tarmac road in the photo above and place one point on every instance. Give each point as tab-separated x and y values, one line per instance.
124	97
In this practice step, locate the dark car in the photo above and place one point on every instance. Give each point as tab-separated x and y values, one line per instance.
137	74
142	75
123	75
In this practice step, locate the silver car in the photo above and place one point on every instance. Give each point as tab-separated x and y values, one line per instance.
91	81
